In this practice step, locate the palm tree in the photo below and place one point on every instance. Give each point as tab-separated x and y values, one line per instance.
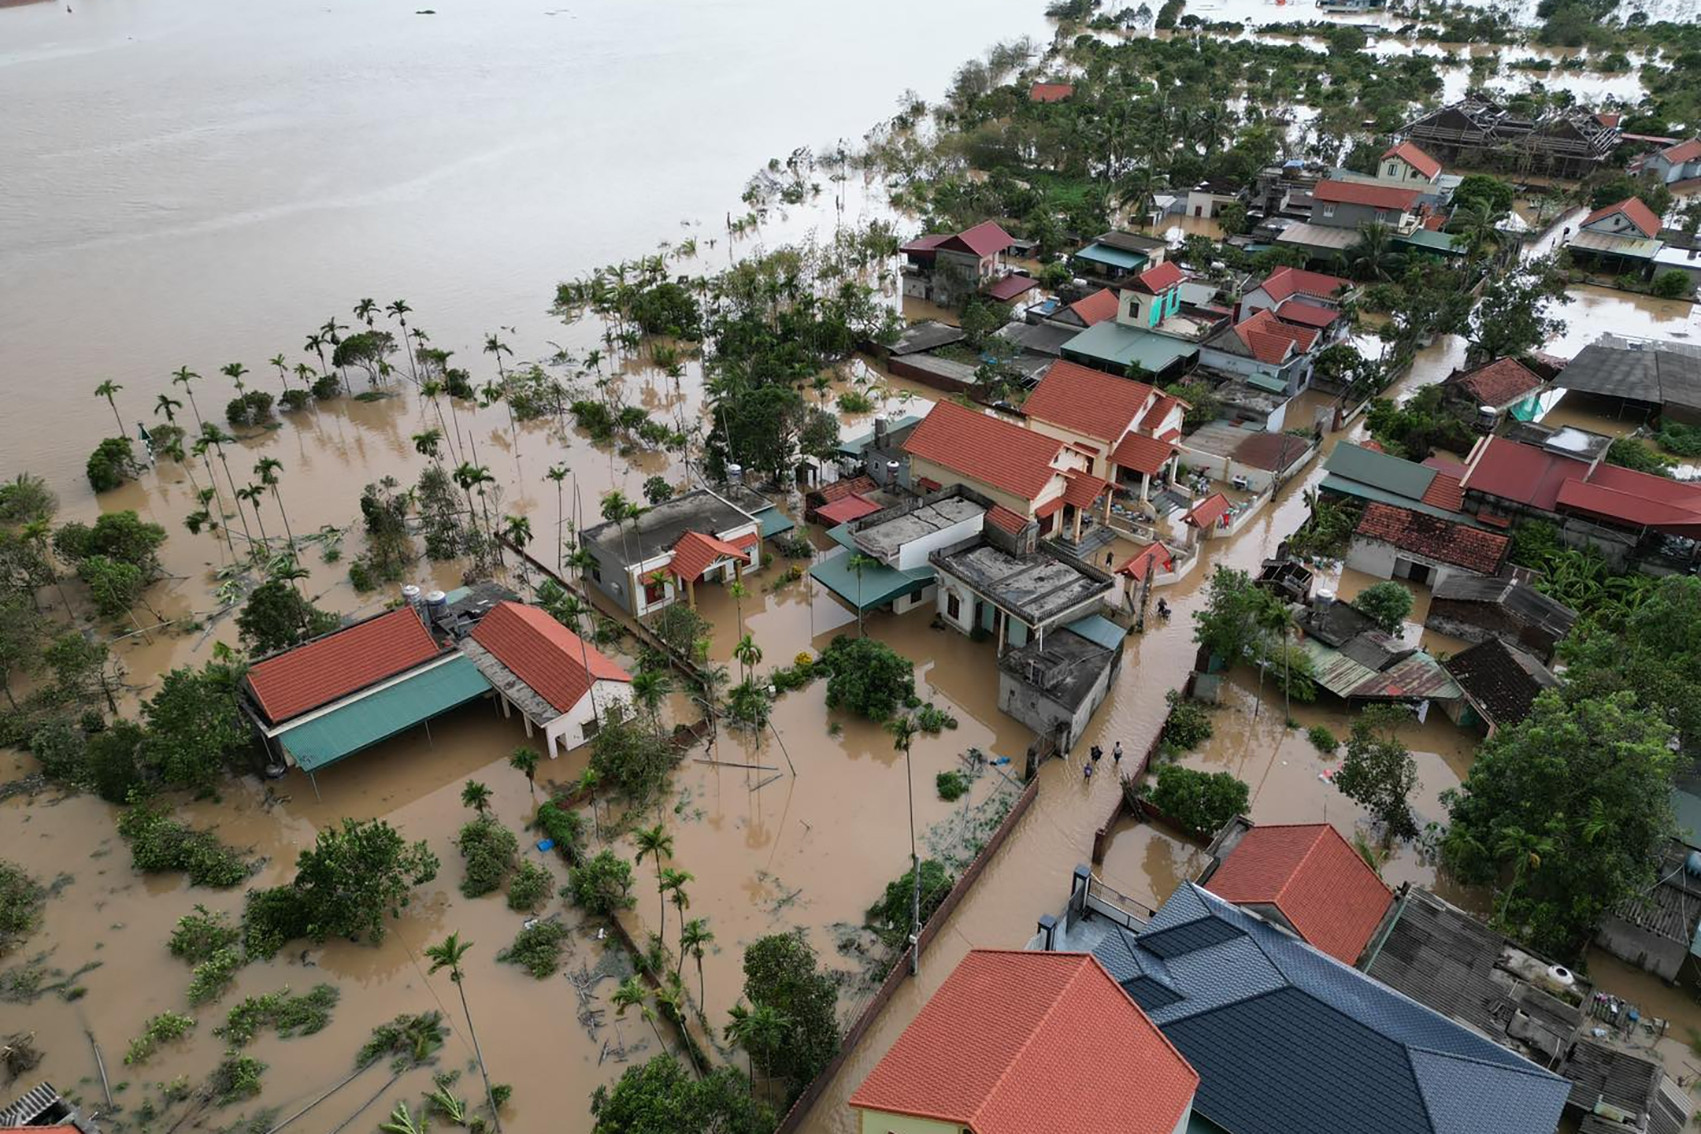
429	444
518	530
694	938
760	1031
39	535
1375	256
749	656
217	438
859	563
524	760
903	730
365	310
108	390
305	375
671	996
398	309
495	346
673	883
649	688
1477	221
200	448
448	954
739	592
633	993
168	406
558	473
1525	849
476	796
185	377
234	371
469	476
657	844
316	343
615	509
267	469
282	363
253	494
588	780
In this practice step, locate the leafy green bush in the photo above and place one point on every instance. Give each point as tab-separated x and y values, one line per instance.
566	829
537	949
932	720
250	408
1201	802
951	786
159	845
1673	283
237	1077
1188	724
855	401
214	975
1322	739
288	1014
162	1028
602	885
295	399
201	934
111	464
890	916
866	677
21	901
1627	452
488	848
1675	437
326	387
1387	604
529	886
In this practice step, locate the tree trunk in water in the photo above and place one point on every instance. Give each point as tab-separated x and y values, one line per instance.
477	1051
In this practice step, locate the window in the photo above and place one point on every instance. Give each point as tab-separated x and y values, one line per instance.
596	570
953	606
655	590
1328	208
1381	216
1393	170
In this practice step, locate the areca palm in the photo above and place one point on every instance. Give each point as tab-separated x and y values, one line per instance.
558	474
633	993
252	494
760	1031
234	371
476	796
217	438
749	655
282	363
365	310
860	563
673	883
470	476
429	444
657	844
448	954
109	390
694	936
200	448
167	406
398	309
1525	850
316	344
518	530
649	688
185	377
524	760
267	469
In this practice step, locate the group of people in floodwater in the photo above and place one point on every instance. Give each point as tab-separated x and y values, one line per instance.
1097	754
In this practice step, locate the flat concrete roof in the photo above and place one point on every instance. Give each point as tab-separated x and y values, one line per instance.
1065	668
883	539
1035	588
660	527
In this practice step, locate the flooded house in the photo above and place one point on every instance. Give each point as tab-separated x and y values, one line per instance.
1250	455
1127	430
1340	209
1478	132
1659	930
885	565
1495	391
946	268
1357	661
1677	166
1284	1036
345	691
1300	299
1264	351
1618	239
1019	1041
660	556
43	1110
560	684
1478	609
1162	316
1498	685
1401	543
1116	258
1638	379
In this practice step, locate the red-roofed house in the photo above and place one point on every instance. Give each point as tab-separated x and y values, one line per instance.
944	268
1271	354
1050	92
1113	422
1629	217
1021	1042
1304	299
1354	204
559	682
1153	296
1021	469
1397	543
1092	310
1619	238
1306	878
660	556
1407	165
332	666
1681	162
1497	388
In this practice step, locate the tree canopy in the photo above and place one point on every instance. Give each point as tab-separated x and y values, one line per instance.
781	973
867	677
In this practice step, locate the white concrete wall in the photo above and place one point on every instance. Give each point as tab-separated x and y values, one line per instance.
913	554
965	619
1385	561
923	597
1398	171
567	732
884	1122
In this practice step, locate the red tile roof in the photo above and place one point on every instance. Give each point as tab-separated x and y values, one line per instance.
1307	314
1445	492
986	449
696	552
846	509
925	243
1269	339
1087	401
1015	1042
1159	279
1160	410
1143	560
1634	211
1682	152
1637	498
1314	878
1365	193
1609	120
1142	454
1003	519
984	239
1498	383
1083	489
1271	452
1434	538
1097	307
1522	473
342	662
1414	157
1283	282
1050	92
1010	287
1208	511
839	489
547	656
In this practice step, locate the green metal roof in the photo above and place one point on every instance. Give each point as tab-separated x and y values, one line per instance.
878	586
1334	670
1379	470
1431	241
342	732
855	446
774	522
841	535
1120	345
1114	257
1368	492
1098	629
1267	382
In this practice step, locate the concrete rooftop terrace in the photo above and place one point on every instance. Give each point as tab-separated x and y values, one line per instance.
884	539
1035	588
660	527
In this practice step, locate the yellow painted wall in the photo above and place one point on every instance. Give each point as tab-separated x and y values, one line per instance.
881	1122
920	467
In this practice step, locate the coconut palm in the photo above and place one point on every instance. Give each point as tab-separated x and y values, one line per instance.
1525	850
109	390
524	761
398	309
448	954
749	656
476	796
267	469
1375	256
167	406
365	310
633	993
760	1031
185	377
649	688
694	937
656	843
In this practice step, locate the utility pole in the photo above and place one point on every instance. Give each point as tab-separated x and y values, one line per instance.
915	873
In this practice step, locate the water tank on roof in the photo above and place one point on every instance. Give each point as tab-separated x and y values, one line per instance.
734	473
410	595
1324	599
1561	976
436	602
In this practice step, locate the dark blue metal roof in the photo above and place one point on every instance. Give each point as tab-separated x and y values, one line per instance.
1288	1039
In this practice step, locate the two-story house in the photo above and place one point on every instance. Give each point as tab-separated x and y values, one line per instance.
1125	429
1270	354
1354	204
1618	238
1303	299
945	268
1406	165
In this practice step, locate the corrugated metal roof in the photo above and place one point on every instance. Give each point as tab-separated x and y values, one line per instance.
1114	257
1098	629
1391	474
1120	345
1610	244
878	585
417	698
1334	670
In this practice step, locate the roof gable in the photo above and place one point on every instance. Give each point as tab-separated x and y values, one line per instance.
1640	216
1409	153
1097	307
556	663
1683	152
1318	882
1498	383
1156	280
342	662
1285	282
984	239
1087	401
1365	193
986	449
1435	538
